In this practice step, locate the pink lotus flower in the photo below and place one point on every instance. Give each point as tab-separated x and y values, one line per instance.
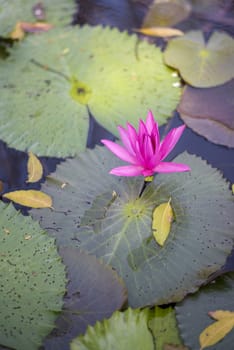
144	150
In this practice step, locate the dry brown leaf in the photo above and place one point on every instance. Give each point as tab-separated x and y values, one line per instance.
27	27
17	33
161	224
36	27
217	330
163	32
35	169
30	198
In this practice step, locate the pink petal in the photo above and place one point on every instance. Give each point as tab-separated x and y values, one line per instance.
170	141
125	138
170	167
132	135
119	151
142	131
128	170
150	122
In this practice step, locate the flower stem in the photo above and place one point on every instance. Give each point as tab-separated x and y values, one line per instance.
147	181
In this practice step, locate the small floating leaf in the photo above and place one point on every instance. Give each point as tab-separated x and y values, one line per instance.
216	331
30	198
35	169
161	224
160	31
202	64
17	33
220	314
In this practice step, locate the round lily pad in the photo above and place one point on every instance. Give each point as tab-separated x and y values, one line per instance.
122	331
104	215
50	79
32	281
192	313
55	12
202	64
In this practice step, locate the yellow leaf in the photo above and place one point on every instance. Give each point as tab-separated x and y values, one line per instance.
160	31
17	33
233	188
35	169
220	314
216	332
161	224
30	198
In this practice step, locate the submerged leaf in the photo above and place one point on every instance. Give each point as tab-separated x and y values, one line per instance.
203	112
117	81
32	281
202	64
161	224
160	31
216	332
35	169
30	198
94	292
166	13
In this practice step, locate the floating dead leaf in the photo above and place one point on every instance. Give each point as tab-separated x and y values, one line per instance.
30	198
35	169
160	31
17	33
1	186
209	112
37	27
161	224
217	330
233	188
27	27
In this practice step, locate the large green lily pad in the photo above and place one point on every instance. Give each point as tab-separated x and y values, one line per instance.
55	12
50	79
102	214
192	313
202	64
32	281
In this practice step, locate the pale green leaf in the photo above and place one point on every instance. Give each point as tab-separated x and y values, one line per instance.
123	331
56	76
202	64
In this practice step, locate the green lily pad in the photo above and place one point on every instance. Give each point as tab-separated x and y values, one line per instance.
32	281
55	12
202	64
163	325
124	330
102	214
192	313
56	75
202	111
94	292
142	329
